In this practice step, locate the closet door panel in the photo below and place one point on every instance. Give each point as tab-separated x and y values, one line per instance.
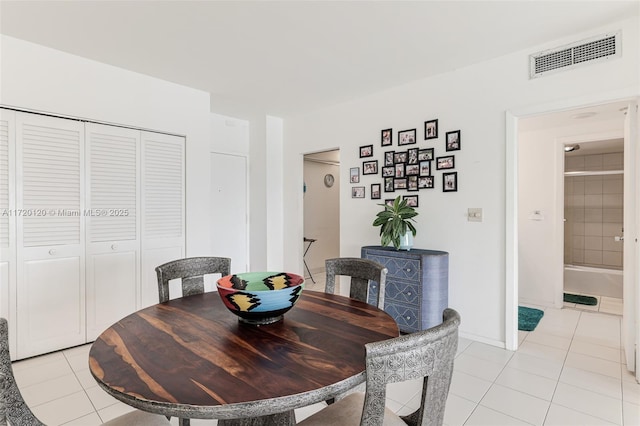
113	225
163	200
50	234
151	259
8	222
50	317
112	276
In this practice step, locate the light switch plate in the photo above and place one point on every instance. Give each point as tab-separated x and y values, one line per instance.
474	215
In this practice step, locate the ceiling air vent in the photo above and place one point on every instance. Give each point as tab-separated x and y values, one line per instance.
597	48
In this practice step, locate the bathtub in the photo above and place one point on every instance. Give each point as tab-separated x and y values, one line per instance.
596	281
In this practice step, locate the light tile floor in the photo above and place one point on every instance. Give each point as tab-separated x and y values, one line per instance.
569	371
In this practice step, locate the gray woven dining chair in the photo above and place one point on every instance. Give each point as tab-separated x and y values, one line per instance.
191	271
428	354
361	272
14	410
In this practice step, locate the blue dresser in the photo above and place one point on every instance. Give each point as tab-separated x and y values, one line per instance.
417	286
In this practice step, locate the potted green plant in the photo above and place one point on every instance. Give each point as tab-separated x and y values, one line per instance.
395	223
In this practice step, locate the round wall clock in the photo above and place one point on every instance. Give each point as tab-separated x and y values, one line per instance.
328	180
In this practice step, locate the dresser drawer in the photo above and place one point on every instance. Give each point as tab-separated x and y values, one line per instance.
407	316
397	292
405	269
403	291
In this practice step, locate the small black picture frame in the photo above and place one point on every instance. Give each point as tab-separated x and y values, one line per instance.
386	137
450	182
446	162
389	202
425	182
400	183
366	151
370	167
389	171
411	169
412	200
407	137
354	175
425	168
412	156
412	183
399	170
389	158
375	191
388	184
357	192
400	157
425	154
452	141
431	129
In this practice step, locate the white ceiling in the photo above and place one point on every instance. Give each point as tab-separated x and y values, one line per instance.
287	57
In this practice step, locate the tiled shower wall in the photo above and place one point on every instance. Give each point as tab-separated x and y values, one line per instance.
593	208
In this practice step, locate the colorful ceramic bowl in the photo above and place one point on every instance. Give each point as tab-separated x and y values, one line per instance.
260	297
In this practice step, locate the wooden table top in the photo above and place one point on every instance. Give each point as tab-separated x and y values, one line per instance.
192	358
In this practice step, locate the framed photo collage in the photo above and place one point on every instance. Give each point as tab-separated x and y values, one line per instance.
409	167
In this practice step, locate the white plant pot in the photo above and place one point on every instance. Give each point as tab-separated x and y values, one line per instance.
406	241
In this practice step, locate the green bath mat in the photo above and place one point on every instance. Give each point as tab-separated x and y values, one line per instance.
528	318
581	300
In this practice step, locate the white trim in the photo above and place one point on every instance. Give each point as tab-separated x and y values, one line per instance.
558	224
482	339
511	233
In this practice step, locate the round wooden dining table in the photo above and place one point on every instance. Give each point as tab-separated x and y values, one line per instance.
191	358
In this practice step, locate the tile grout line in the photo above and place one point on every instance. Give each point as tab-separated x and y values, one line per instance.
84	390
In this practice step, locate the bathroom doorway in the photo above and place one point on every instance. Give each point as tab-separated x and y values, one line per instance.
536	205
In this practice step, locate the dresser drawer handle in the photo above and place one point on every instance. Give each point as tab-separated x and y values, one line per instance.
408	293
408	317
52	252
408	269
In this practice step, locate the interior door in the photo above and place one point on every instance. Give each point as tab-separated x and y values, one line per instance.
631	288
229	210
112	221
7	222
50	234
163	201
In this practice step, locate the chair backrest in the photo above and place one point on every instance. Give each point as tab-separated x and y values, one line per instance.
429	354
12	406
361	272
191	271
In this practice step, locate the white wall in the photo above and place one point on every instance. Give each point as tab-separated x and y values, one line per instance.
275	204
229	135
473	99
267	175
46	80
540	188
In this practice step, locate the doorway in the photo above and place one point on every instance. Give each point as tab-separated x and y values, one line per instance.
321	214
535	205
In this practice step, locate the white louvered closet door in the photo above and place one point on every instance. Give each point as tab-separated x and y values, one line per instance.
7	221
163	200
50	234
112	223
